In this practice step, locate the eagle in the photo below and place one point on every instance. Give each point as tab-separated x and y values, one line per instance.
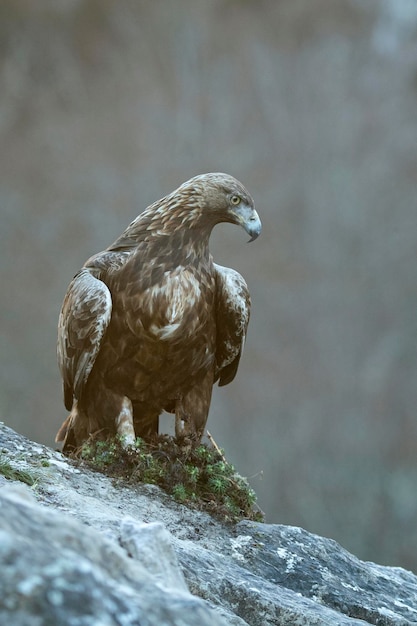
152	323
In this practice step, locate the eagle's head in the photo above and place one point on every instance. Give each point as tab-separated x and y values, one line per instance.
193	209
221	198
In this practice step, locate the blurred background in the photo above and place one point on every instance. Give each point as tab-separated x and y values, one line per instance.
107	106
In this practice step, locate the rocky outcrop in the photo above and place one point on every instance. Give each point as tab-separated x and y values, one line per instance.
78	548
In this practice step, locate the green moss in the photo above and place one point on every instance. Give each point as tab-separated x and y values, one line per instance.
199	477
12	473
180	493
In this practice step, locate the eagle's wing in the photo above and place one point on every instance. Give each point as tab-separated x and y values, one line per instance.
232	318
83	320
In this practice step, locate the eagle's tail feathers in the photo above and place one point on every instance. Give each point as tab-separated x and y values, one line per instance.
62	432
66	433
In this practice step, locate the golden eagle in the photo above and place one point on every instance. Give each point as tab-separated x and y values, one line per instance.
151	323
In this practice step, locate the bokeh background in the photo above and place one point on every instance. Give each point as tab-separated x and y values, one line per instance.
106	106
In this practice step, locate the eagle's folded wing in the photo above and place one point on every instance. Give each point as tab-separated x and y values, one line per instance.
84	317
232	318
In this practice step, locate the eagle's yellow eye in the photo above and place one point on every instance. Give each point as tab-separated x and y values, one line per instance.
235	200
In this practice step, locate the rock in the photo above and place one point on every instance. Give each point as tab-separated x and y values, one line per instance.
151	545
55	570
78	548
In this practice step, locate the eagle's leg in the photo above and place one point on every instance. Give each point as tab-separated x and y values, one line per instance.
191	411
124	423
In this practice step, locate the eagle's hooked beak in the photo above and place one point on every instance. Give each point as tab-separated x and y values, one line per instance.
253	227
248	218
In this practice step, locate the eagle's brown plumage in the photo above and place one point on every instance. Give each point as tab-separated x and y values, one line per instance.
151	323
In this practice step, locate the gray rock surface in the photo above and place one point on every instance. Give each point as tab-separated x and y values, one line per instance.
80	549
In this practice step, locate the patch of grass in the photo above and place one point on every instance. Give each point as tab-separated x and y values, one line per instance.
12	473
199	477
